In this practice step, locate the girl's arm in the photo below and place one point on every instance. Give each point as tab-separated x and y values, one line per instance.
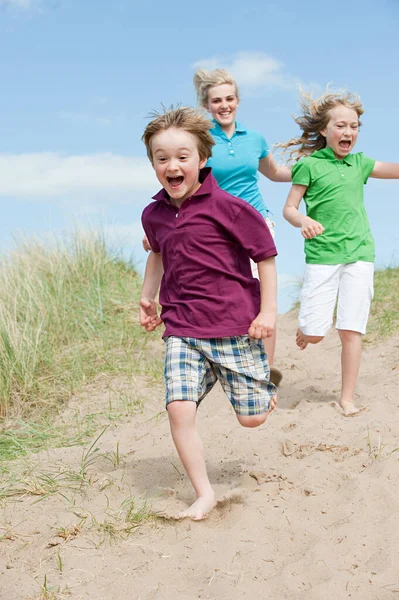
384	170
265	323
152	278
270	169
309	227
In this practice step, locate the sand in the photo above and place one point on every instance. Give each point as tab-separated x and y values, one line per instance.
309	502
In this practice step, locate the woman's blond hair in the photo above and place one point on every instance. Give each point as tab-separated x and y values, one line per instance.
186	118
315	117
204	80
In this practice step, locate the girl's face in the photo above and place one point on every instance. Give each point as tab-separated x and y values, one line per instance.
222	104
341	131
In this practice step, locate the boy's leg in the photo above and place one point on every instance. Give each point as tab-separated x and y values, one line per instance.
188	378
191	452
256	420
317	302
355	295
242	368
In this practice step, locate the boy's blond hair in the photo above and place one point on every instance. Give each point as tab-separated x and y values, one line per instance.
204	80
315	117
186	118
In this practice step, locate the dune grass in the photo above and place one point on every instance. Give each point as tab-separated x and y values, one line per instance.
68	312
384	313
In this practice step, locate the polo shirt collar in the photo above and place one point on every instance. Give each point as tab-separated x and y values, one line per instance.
208	184
219	131
328	154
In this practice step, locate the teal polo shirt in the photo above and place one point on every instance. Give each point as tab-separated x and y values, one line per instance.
235	163
335	198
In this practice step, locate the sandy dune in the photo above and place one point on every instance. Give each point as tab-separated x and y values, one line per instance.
310	504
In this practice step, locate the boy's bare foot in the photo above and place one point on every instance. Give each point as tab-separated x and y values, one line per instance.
273	404
201	507
348	408
301	339
275	376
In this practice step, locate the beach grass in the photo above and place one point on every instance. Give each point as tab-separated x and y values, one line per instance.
68	313
384	313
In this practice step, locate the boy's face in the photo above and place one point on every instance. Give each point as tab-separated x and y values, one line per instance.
177	163
342	130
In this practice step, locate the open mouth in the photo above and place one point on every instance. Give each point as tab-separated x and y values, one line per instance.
174	182
345	144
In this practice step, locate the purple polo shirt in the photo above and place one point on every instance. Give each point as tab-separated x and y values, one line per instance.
207	290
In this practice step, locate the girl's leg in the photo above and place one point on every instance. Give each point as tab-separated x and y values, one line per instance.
355	295
318	296
350	362
191	452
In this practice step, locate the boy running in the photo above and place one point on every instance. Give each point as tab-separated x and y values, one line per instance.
215	312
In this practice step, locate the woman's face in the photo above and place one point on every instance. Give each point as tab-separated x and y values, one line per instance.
222	103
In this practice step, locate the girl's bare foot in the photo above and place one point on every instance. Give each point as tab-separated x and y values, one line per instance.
300	340
201	507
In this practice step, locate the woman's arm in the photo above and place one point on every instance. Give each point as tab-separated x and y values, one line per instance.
385	170
273	171
309	227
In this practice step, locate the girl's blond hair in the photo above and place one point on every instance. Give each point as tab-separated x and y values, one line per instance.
315	117
183	117
204	80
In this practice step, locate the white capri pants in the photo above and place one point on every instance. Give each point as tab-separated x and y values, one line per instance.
352	283
271	225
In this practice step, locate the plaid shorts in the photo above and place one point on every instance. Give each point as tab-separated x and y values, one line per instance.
192	367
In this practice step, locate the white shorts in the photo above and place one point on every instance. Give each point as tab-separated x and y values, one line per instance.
352	282
271	225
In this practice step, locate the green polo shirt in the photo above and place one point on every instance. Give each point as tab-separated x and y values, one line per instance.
335	198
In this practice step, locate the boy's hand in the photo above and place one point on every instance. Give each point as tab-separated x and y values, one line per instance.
311	228
146	244
148	314
262	326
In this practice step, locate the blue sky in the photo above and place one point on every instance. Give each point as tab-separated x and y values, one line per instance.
79	79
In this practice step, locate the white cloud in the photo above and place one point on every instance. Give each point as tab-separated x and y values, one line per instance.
24	4
253	69
50	174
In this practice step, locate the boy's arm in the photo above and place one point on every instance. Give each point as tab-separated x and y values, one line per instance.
265	323
309	227
152	278
273	171
385	170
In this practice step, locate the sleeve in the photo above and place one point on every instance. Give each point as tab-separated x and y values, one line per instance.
264	148
367	166
252	233
301	173
146	222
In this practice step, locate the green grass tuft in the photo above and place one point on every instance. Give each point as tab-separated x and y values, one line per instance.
68	313
384	313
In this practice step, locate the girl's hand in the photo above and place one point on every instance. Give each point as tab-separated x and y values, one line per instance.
146	244
149	318
263	325
311	228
